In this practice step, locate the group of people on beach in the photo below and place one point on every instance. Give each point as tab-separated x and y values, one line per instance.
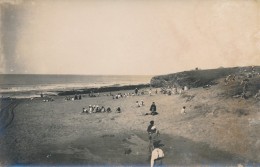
155	150
136	93
97	109
120	95
173	90
48	99
76	97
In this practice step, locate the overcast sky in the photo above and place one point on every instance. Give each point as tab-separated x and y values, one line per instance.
127	37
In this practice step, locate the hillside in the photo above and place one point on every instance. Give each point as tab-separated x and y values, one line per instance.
222	107
235	77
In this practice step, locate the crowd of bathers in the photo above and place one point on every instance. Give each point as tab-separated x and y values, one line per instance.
98	109
124	95
47	99
76	97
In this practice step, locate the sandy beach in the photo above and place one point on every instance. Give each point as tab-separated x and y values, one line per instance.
58	133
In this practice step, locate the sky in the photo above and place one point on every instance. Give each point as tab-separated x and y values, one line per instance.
127	37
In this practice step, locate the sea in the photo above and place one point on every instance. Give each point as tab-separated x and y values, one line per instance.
32	85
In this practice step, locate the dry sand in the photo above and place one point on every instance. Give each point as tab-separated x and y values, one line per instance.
215	131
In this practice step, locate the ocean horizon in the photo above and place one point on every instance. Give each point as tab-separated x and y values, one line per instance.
32	85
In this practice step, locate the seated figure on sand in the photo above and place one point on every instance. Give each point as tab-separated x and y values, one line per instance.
153	109
109	110
118	110
137	104
103	109
84	110
142	103
157	155
183	110
94	108
97	109
90	109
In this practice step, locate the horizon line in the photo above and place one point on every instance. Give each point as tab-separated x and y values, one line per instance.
166	73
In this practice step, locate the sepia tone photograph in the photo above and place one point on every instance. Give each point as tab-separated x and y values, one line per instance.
130	83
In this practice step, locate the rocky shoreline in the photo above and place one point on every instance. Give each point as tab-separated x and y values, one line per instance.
102	89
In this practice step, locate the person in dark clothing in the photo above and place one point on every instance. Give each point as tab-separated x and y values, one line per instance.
118	110
153	133
151	128
136	91
109	109
153	109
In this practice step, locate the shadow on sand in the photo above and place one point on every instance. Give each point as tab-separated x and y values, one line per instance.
109	150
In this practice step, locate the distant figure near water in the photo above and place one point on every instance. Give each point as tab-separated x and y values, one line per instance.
136	91
150	92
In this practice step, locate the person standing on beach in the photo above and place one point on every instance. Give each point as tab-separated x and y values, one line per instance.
151	128
136	91
157	155
153	109
153	135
